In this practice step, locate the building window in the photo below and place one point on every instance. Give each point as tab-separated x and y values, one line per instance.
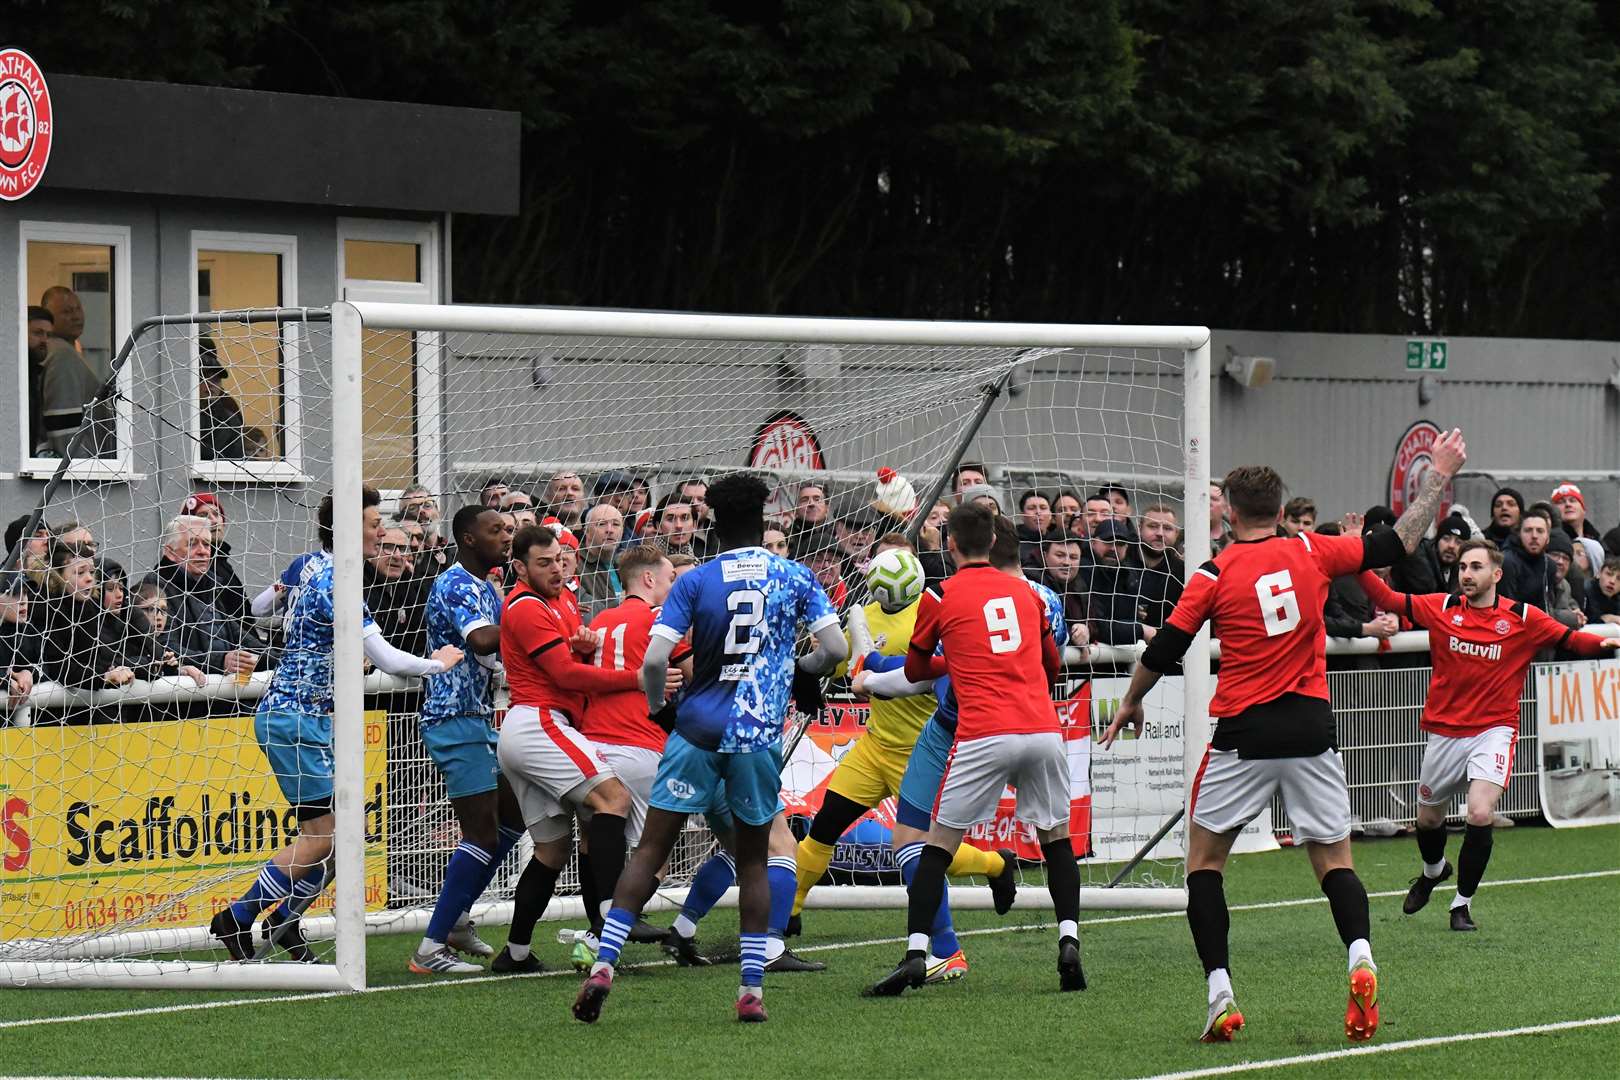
75	293
245	375
395	261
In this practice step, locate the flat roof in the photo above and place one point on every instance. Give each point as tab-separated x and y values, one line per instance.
149	138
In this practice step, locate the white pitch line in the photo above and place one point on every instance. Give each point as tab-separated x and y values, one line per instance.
1385	1048
440	984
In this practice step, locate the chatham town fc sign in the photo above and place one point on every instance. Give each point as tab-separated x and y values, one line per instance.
25	124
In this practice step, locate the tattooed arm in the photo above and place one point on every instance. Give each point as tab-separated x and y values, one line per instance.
1448	456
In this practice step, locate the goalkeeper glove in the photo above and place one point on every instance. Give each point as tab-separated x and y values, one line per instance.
807	692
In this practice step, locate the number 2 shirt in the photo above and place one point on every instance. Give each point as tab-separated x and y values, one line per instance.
743	609
1263	600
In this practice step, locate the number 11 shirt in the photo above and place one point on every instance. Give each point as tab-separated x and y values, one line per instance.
743	609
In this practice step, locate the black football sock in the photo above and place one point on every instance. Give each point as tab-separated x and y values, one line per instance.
1063	881
1348	899
1474	857
1432	845
588	894
607	855
1208	918
927	888
529	901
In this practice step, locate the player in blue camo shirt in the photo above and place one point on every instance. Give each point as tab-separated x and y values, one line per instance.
743	609
293	725
464	610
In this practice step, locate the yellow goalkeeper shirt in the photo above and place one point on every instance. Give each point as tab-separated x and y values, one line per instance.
895	723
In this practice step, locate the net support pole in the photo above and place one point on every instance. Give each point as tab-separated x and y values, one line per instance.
348	700
987	400
1195	463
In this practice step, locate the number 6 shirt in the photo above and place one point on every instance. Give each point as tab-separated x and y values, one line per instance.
1263	600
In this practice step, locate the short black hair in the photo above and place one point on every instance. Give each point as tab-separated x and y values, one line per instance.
323	515
14	531
806	542
737	501
37	312
466	518
1004	550
529	537
973	527
1107	491
1031	493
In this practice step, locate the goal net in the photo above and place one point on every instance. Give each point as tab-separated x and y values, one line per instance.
138	802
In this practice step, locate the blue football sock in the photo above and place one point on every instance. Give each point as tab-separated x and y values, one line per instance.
942	940
753	958
782	872
463	881
508	841
615	929
270	887
304	890
709	884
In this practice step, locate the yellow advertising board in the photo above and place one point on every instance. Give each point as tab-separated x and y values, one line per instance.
150	825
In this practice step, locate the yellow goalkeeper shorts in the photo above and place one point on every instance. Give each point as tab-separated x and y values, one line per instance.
869	773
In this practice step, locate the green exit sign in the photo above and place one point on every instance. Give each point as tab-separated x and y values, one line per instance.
1424	355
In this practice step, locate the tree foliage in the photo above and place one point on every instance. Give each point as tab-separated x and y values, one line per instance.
1346	165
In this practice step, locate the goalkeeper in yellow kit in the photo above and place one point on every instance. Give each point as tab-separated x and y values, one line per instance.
872	770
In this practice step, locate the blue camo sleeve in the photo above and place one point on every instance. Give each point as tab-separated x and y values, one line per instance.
464	606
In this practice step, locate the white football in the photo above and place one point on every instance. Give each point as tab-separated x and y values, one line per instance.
895	579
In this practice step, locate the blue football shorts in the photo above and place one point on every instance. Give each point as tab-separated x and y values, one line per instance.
463	747
692	780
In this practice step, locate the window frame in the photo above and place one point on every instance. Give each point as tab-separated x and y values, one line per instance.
429	346
288	470
119	468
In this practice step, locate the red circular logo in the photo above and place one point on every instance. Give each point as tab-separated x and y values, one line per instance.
25	124
788	443
1414	455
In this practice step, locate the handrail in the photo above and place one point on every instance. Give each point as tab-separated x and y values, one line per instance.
176	689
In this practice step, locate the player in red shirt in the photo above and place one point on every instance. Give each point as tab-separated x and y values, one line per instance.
1481	645
617	723
1274	729
553	769
1001	658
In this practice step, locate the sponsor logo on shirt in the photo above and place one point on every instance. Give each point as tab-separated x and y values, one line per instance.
1482	652
735	673
747	568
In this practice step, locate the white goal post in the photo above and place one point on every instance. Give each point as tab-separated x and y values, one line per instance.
164	952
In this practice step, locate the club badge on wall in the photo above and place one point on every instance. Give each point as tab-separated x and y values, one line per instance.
25	124
1414	457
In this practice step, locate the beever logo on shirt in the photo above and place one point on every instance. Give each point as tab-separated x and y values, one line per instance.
1482	652
746	568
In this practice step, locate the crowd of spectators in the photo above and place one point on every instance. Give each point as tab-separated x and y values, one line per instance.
70	614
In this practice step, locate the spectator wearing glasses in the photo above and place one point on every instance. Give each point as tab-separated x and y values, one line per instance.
229	595
396	597
209	636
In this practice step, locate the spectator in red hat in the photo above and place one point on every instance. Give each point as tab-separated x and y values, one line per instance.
1571	506
229	595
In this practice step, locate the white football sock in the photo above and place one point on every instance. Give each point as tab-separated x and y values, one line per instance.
684	926
1219	983
1460	901
518	952
428	946
918	943
757	991
1361	949
1068	928
774	947
1434	870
